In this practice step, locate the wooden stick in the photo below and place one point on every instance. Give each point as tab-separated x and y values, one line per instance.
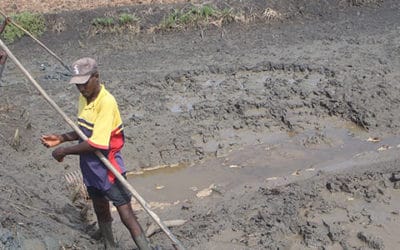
124	182
152	229
36	40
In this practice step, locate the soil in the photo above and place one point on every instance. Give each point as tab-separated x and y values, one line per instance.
40	6
280	132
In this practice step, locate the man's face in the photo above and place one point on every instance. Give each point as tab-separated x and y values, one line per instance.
90	88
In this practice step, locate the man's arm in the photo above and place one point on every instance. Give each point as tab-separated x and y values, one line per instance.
81	148
60	152
71	136
53	140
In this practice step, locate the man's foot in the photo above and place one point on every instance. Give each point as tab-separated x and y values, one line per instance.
96	235
108	238
142	242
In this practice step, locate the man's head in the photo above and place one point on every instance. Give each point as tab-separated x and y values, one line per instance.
82	70
86	77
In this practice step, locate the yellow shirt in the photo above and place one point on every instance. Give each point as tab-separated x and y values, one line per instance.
101	122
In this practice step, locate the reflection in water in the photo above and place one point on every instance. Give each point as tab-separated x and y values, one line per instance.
157	170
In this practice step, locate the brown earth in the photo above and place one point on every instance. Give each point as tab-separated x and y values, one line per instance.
38	6
275	112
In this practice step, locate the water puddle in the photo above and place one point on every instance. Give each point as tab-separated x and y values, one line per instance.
275	156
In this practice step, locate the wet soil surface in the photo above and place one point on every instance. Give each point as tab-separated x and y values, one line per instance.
256	134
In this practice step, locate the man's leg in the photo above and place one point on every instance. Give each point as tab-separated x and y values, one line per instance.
102	209
129	219
121	199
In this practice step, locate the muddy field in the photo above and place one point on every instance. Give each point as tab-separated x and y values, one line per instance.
288	124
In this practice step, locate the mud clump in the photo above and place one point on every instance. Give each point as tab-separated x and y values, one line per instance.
278	218
372	242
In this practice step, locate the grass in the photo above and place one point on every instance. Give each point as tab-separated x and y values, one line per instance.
116	23
197	16
103	22
34	23
126	19
185	18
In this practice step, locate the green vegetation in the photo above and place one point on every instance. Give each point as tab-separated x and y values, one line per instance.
103	22
123	21
197	16
184	18
34	23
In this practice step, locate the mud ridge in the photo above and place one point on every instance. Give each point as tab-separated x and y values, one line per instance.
302	214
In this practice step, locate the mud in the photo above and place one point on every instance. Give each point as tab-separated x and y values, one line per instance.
275	113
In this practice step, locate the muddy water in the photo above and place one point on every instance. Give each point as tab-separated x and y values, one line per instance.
274	158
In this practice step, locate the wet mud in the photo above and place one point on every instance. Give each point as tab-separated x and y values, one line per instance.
271	119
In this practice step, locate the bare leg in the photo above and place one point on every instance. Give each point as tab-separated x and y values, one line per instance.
102	209
129	219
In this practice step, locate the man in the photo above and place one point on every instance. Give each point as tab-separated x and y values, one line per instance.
99	119
3	54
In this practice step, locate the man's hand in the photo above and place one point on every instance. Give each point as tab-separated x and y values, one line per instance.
59	154
51	140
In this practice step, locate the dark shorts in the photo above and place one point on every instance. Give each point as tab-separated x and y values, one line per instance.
117	194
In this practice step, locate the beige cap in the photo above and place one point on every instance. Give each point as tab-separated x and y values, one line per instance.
82	70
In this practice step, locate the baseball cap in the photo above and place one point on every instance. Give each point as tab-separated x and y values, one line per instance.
82	70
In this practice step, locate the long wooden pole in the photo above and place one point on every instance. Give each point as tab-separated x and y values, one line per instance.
36	40
141	201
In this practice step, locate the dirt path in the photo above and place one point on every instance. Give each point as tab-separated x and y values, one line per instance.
214	98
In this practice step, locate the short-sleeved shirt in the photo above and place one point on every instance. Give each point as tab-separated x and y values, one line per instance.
101	122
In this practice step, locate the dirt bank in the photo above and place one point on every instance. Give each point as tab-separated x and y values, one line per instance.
215	95
37	6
